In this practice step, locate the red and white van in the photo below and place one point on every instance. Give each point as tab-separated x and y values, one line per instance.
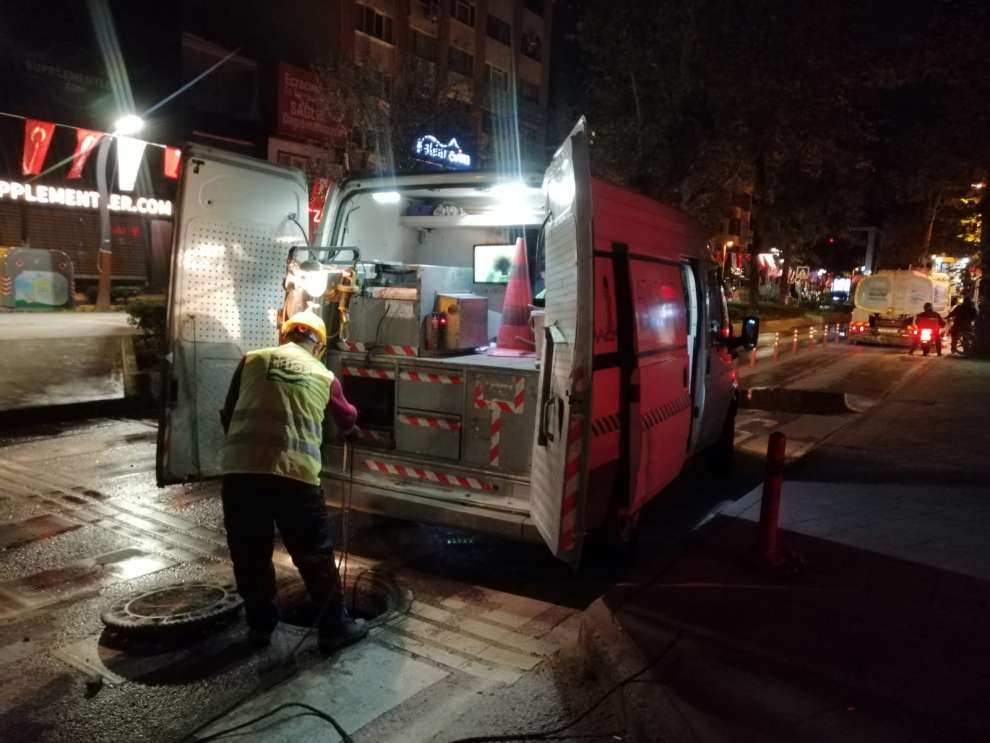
635	374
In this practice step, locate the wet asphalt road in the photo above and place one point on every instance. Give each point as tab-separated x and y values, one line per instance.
492	625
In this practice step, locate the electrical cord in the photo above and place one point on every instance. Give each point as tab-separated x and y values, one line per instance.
310	712
378	330
555	733
345	526
292	218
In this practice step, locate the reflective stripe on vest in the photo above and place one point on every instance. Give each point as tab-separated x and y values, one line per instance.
277	425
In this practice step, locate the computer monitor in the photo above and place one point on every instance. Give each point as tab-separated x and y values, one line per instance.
493	263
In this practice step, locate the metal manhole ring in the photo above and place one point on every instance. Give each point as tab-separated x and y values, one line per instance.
172	606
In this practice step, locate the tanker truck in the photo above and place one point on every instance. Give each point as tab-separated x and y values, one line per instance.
886	303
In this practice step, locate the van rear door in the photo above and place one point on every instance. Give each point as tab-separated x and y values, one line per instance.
236	220
560	464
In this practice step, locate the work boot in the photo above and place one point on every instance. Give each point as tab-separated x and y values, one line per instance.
345	631
260	638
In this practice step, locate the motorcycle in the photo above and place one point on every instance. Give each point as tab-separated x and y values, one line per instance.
966	339
926	337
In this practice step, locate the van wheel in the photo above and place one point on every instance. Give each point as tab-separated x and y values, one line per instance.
723	451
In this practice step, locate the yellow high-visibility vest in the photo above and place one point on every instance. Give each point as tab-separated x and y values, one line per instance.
277	424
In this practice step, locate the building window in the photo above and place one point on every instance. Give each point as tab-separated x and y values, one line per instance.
529	92
464	12
461	62
735	226
498	80
430	9
532	46
534	6
291	160
373	23
499	30
424	45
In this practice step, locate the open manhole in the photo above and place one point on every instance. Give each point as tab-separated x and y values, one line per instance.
803	402
179	606
368	594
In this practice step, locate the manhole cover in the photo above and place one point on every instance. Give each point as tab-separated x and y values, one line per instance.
180	605
368	594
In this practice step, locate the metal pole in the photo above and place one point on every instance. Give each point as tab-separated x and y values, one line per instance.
104	256
770	503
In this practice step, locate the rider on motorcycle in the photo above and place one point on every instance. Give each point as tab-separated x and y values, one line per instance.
929	318
962	317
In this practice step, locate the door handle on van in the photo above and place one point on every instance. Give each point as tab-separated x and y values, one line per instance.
545	417
543	432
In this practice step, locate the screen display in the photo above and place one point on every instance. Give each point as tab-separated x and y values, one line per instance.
493	263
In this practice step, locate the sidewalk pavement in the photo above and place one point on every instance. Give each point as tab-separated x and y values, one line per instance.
882	637
63	358
45	325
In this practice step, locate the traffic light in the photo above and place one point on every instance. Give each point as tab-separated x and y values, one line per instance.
830	239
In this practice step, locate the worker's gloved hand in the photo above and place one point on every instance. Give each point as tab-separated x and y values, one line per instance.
351	434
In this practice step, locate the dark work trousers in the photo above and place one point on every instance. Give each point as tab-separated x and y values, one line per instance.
253	505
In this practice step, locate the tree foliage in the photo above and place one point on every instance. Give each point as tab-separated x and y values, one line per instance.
837	113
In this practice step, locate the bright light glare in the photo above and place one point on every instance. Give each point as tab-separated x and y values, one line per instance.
979	185
561	189
128	125
386	197
510	193
314	283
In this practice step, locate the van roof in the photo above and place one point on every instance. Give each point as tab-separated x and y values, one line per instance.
628	217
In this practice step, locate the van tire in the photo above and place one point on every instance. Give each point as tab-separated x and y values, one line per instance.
722	452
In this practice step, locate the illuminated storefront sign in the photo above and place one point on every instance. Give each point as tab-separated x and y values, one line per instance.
73	197
450	155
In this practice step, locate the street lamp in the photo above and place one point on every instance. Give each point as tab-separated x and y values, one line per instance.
125	126
128	125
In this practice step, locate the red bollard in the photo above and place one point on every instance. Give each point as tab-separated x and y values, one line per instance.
770	503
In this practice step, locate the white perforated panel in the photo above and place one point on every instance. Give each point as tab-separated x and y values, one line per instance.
232	283
234	227
214	379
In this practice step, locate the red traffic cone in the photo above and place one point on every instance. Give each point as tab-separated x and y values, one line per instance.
515	336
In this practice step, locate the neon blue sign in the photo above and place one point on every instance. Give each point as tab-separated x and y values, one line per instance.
450	155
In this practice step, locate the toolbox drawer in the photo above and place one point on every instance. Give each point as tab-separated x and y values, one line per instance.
437	389
419	432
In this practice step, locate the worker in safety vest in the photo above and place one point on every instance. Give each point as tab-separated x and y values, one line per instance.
273	420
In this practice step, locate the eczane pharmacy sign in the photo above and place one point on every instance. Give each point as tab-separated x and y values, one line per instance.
75	198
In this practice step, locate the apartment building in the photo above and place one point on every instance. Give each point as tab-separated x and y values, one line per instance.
491	56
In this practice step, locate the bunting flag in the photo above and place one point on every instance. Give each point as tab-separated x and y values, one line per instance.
37	140
173	158
129	154
86	141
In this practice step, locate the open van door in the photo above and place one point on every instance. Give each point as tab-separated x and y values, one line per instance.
560	462
236	220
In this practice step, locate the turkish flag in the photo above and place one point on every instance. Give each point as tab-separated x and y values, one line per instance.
37	140
86	141
317	195
173	158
